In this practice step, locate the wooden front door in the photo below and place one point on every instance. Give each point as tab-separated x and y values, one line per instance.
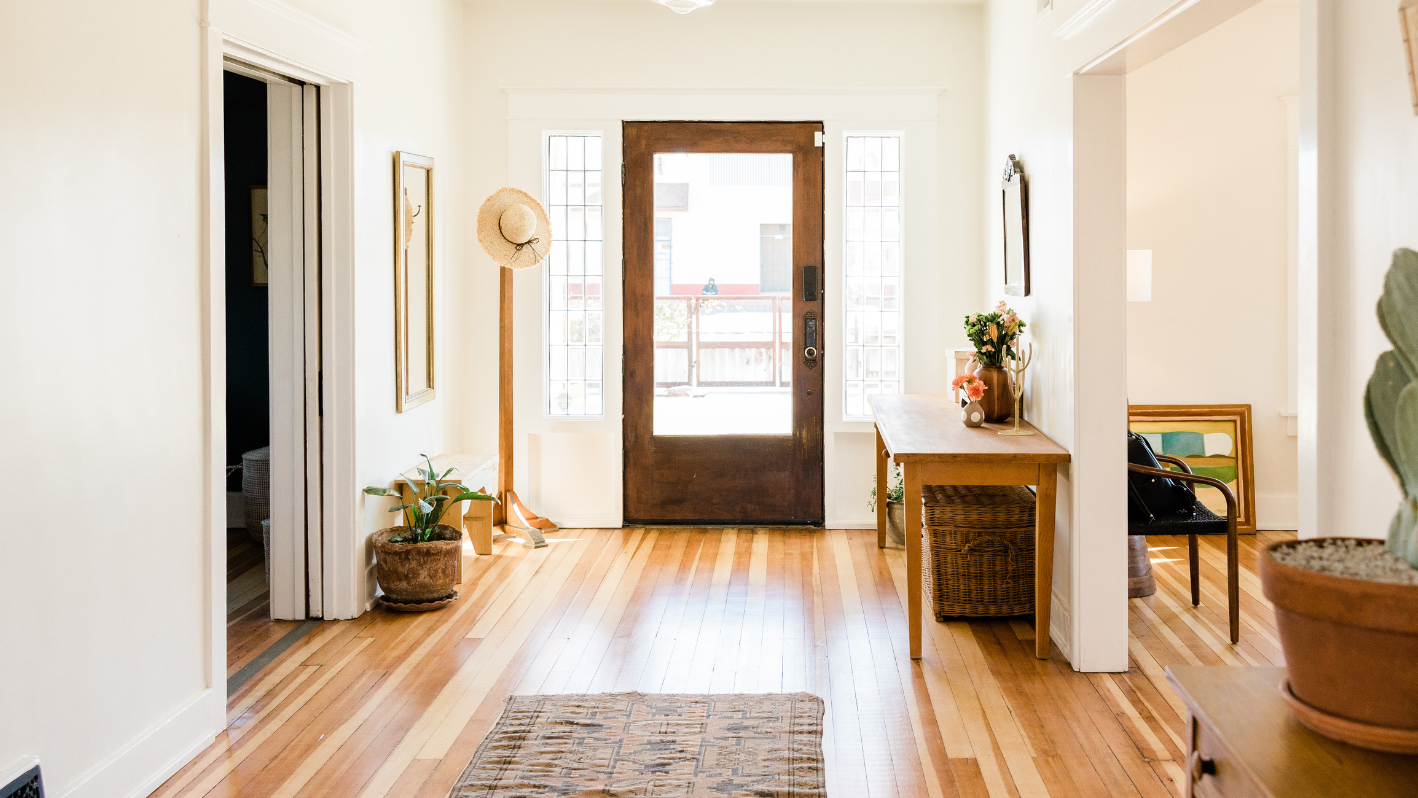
724	322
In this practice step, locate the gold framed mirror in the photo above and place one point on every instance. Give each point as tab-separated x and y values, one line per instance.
1015	195
413	280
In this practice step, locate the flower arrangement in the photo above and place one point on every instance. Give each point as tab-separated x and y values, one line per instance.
972	386
994	334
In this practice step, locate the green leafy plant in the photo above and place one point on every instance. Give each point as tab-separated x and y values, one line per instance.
430	502
994	334
1391	398
897	490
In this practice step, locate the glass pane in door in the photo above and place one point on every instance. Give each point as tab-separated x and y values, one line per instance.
723	293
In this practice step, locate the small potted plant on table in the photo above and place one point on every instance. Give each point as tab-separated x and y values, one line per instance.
1347	608
417	564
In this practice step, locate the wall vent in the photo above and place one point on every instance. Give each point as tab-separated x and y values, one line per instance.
29	785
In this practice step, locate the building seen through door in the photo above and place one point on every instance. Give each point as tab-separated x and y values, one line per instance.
723	261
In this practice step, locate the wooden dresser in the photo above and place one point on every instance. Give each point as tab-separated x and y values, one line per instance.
1243	743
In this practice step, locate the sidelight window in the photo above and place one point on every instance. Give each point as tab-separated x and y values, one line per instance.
575	305
872	271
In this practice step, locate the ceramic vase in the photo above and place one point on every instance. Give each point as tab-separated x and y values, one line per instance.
972	415
998	401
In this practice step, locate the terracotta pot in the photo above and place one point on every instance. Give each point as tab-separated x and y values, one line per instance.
418	572
896	522
1351	646
998	402
1142	582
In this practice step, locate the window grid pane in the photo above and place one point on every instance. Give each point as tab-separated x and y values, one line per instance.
872	345
574	342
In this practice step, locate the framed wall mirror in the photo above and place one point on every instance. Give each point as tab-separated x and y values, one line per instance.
413	280
1015	196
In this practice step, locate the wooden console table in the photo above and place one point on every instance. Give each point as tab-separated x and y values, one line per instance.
923	434
1242	742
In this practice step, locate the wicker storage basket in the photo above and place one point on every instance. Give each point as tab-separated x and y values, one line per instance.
978	550
256	489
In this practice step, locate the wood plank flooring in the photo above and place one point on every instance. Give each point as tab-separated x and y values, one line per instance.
395	705
249	628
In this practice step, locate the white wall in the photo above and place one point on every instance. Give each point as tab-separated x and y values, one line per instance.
1069	130
113	674
780	54
1363	152
1207	193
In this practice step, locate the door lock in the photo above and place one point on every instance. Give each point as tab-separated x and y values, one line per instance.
810	339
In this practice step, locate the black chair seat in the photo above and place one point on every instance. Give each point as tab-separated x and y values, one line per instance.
1194	520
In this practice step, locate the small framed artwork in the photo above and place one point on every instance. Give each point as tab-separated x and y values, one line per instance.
260	238
1015	196
413	280
1214	441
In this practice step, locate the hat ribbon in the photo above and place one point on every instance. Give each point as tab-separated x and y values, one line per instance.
519	247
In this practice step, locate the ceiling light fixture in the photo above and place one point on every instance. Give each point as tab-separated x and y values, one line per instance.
684	6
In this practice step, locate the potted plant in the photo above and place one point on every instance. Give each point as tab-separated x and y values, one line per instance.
418	563
1347	608
971	414
993	335
895	507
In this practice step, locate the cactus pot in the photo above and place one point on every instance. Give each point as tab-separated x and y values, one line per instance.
1350	648
418	572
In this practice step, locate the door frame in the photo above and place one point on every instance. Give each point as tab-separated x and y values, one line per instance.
801	499
340	592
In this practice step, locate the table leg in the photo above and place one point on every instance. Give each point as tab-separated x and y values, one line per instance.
881	490
1044	556
911	503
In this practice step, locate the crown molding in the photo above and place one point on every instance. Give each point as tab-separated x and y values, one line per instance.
312	23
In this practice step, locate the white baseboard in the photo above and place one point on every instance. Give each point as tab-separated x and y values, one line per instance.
1277	511
590	521
851	522
1061	627
140	767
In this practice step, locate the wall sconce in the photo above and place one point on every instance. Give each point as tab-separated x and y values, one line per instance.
1139	275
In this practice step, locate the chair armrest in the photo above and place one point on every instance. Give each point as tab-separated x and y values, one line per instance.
1177	461
1196	478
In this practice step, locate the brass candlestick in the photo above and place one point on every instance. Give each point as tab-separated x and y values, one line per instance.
1016	371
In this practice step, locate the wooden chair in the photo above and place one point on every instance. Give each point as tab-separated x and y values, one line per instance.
1198	520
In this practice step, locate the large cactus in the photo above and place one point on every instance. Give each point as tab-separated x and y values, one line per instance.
1391	399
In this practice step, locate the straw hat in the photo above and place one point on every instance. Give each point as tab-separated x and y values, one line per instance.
514	229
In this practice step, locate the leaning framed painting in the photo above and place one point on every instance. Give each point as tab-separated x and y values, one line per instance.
1214	441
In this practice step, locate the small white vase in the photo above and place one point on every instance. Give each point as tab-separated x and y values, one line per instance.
972	415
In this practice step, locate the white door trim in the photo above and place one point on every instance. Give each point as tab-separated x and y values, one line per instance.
338	593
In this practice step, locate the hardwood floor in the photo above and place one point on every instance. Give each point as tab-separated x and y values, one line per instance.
249	628
395	705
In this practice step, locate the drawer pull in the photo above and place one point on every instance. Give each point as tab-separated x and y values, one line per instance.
1199	766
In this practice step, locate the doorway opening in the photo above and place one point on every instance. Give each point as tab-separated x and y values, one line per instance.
723	322
271	363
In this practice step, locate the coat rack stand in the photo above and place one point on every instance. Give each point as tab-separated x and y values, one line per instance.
507	497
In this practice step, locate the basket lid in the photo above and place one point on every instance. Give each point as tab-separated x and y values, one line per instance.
264	453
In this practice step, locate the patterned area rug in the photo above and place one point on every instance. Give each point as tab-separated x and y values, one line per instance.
646	745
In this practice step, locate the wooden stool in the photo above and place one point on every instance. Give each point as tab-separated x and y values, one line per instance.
1140	580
